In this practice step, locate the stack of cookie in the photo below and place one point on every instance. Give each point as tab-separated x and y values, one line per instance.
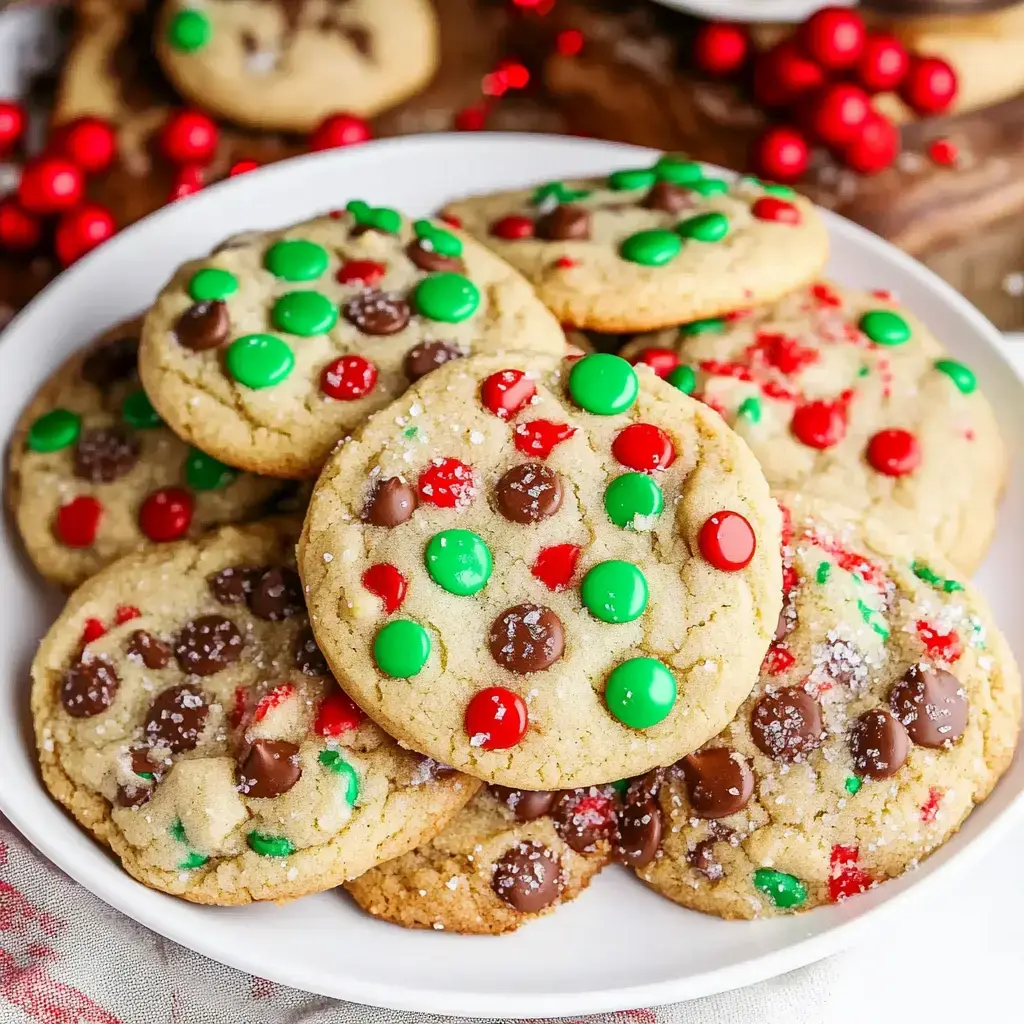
698	606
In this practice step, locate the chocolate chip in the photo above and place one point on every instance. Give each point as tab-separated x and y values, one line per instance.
564	223
719	782
702	858
231	585
208	644
528	493
269	768
843	663
89	687
276	594
203	326
430	260
931	704
427	356
640	828
528	877
149	649
525	804
879	745
787	623
787	723
668	198
377	313
138	791
103	455
526	638
584	817
176	718
392	503
114	362
309	659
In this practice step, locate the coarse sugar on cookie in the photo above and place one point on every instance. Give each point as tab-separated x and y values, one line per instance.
887	708
651	246
268	352
545	573
186	717
846	395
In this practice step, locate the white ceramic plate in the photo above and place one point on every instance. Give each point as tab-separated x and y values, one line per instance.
619	946
753	10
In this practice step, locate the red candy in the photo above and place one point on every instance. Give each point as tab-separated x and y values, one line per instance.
512	228
50	184
12	124
93	630
781	154
943	152
876	146
825	296
566	263
472	119
727	541
721	47
942	646
777	661
446	483
78	521
845	878
773	208
506	392
387	583
166	514
837	115
242	167
539	437
19	229
930	808
784	74
337	714
340	130
930	85
644	447
496	719
365	272
80	230
88	141
661	360
834	37
348	378
125	613
883	63
819	424
189	137
894	452
277	696
555	565
451	220
188	180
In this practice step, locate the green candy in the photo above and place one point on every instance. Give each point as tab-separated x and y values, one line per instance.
204	473
823	573
459	561
304	313
713	325
710	187
750	409
930	576
270	846
295	259
380	218
54	430
259	360
603	384
441	241
962	376
192	861
852	785
137	411
779	191
884	327
559	191
401	648
640	692
177	831
678	172
212	284
682	378
785	891
705	227
621	786
189	31
653	248
614	591
632	496
639	177
447	297
334	762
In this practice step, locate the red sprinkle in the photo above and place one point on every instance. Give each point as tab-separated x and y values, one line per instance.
894	452
566	262
784	353
125	613
166	514
386	582
512	228
661	360
277	696
819	424
777	661
825	295
368	272
727	541
446	483
942	646
555	565
643	447
773	208
539	437
930	808
92	630
496	719
506	392
338	713
348	378
78	521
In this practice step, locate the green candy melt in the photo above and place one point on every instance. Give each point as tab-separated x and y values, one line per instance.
615	591
334	762
137	411
653	248
304	313
401	648
852	785
259	360
441	241
380	218
603	384
884	327
205	473
446	297
559	192
212	284
705	227
683	378
639	177
459	561
270	846
710	187
785	891
189	31
678	172
295	259
54	430
712	325
962	376
750	410
640	692
192	861
633	501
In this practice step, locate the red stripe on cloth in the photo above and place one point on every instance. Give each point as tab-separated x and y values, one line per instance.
18	913
45	999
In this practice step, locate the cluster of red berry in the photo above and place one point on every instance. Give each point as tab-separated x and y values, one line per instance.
820	81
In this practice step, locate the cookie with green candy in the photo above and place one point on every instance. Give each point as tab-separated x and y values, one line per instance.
650	246
94	473
268	352
887	708
198	732
557	572
845	394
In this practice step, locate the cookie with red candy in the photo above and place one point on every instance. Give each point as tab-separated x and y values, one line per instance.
846	395
650	246
266	353
583	569
198	731
94	473
887	708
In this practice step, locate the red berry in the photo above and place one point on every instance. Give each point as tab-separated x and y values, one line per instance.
883	63
242	167
50	184
819	424
894	452
721	47
643	447
781	154
166	514
784	74
555	565
512	228
507	392
338	713
340	130
496	719
875	148
834	37
386	582
661	360
364	272
446	483
837	114
539	437
18	229
78	521
188	180
189	137
80	230
727	541
12	124
90	142
930	85
348	378
773	208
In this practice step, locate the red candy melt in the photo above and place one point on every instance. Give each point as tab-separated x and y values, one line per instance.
446	483
845	878
337	714
819	424
772	208
539	437
894	452
555	565
727	541
125	613
386	582
643	447
506	392
777	661
512	228
78	521
348	378
941	646
367	272
277	696
661	360
496	719
166	514
92	630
